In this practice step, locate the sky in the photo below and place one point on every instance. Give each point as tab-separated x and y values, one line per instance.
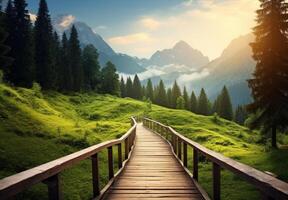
141	27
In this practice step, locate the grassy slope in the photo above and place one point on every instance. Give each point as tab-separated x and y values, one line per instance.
35	130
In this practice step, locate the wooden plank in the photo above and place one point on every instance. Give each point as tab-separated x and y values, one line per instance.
153	173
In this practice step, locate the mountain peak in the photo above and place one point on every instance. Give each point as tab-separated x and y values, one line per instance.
182	45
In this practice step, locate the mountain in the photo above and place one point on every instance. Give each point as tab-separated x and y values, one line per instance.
124	63
181	54
232	69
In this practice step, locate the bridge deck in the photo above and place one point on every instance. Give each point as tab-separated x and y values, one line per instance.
152	173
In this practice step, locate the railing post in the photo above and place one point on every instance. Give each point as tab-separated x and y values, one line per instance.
195	164
185	162
126	149
179	149
110	163
216	181
175	144
95	175
53	184
120	165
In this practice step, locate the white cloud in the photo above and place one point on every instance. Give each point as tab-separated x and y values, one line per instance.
208	25
130	39
187	78
33	17
149	23
66	21
151	71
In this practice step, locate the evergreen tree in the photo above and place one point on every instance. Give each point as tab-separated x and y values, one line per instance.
129	87
169	98
240	115
193	103
186	98
225	105
137	88
143	92
43	33
176	92
161	94
180	103
65	77
91	68
57	59
110	80
21	72
270	82
5	61
203	103
149	90
216	104
75	60
123	88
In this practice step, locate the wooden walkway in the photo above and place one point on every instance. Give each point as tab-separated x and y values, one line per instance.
153	172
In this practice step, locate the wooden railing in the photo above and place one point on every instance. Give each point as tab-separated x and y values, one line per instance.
270	187
49	173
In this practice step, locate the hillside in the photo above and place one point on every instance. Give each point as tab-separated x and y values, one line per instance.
36	128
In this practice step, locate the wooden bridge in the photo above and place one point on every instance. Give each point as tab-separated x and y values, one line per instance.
153	165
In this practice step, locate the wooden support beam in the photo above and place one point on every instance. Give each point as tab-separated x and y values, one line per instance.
95	175
120	164
195	164
110	163
185	161
179	149
126	148
216	181
53	184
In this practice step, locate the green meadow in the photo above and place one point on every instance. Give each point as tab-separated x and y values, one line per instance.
36	128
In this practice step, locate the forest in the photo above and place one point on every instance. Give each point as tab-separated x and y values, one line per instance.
56	99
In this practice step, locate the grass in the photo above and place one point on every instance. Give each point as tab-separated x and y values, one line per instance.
35	129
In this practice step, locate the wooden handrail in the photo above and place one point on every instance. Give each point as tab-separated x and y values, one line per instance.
270	187
48	173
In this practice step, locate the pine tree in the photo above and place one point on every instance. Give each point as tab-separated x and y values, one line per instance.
240	115
5	61
225	105
149	90
169	98
193	103
43	33
137	88
161	94
216	104
123	88
143	92
75	60
176	92
270	81
180	103
21	72
203	103
57	59
65	77
110	80
186	98
91	68
129	87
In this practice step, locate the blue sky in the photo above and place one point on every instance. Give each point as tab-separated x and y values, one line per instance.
141	27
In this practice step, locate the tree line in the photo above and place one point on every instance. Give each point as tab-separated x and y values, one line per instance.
177	99
35	53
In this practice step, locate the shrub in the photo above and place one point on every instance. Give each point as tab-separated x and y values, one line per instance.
37	90
1	76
